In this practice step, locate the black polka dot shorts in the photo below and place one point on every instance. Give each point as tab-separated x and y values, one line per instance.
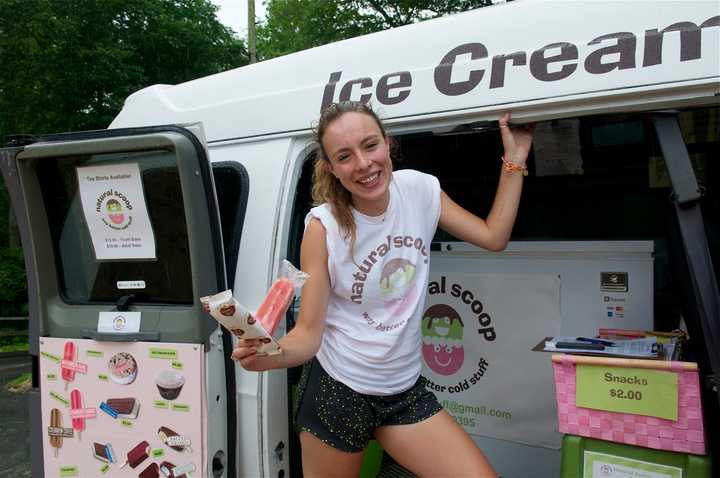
346	419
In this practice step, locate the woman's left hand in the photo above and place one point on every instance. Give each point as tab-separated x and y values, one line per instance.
516	141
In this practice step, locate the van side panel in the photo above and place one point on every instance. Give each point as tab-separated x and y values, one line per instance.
265	162
494	58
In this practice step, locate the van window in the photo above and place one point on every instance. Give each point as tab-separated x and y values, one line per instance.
81	277
599	178
231	188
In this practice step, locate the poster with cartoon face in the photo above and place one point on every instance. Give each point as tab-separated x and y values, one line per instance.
476	348
114	207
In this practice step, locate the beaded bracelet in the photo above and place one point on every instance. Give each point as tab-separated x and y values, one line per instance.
512	167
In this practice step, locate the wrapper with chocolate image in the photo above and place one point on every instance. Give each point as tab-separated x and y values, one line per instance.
103	452
243	324
239	321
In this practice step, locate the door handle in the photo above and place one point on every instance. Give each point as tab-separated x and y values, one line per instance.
121	337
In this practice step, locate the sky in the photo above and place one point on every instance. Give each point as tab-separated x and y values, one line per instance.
233	13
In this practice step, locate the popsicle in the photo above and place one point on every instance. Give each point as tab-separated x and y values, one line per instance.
78	424
168	471
152	471
68	374
275	304
137	454
173	440
56	422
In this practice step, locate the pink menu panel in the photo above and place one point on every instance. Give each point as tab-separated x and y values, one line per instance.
128	410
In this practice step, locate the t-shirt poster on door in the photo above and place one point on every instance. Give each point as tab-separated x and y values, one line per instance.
114	206
478	331
122	409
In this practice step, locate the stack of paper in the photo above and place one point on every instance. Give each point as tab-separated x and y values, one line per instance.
642	347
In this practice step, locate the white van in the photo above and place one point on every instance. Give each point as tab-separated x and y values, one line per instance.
619	90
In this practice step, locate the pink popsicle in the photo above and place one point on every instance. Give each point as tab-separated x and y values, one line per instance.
275	304
68	374
78	424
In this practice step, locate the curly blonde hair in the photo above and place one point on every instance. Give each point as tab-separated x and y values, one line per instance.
326	187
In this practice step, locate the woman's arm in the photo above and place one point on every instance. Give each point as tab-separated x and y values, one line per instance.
303	341
492	233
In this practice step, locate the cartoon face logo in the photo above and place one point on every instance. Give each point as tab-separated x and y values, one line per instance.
119	322
397	285
442	334
114	211
606	469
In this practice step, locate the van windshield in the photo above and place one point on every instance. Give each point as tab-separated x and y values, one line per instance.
84	274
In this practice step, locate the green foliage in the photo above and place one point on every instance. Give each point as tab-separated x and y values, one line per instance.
70	64
21	384
294	25
13	283
14	343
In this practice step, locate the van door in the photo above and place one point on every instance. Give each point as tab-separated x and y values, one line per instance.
121	235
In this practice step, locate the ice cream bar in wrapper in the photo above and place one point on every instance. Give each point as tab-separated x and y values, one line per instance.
240	322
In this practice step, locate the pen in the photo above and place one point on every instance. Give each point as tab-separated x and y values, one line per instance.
595	341
579	346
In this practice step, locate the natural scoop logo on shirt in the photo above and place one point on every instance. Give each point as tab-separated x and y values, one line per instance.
397	284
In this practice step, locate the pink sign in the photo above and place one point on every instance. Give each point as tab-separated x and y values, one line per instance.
70	365
83	412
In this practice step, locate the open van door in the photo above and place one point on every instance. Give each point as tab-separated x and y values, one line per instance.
121	235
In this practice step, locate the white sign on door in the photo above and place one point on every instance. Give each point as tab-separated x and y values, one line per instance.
113	203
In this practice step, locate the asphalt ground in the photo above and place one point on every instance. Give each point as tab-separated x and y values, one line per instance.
14	420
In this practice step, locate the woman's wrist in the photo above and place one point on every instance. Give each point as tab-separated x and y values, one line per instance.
515	166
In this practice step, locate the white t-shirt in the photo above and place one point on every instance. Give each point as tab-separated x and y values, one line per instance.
372	339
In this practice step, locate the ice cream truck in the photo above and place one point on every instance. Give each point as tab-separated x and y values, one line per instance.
203	186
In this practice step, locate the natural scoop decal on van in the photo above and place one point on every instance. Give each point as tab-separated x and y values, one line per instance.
478	330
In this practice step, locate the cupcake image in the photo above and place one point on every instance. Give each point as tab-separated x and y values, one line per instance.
397	285
123	368
169	384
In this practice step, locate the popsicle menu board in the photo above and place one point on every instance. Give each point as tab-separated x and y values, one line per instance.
113	409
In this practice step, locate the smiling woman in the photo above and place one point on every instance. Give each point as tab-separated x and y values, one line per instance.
360	320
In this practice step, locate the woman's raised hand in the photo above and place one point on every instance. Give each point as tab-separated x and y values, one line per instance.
516	141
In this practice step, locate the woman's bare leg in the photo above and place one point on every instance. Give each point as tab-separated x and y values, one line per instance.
435	448
320	460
